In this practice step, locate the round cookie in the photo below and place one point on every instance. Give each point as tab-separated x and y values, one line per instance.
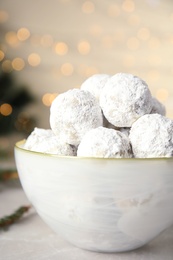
104	143
152	136
37	136
158	107
44	141
124	99
95	84
74	113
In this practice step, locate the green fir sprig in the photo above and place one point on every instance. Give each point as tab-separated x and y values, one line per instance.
6	221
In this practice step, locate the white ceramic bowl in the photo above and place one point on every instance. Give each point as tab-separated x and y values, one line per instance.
103	205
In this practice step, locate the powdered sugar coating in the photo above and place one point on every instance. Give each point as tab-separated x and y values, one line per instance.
124	99
95	84
158	107
104	143
44	140
74	113
152	136
37	135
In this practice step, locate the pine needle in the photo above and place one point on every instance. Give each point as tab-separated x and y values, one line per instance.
6	221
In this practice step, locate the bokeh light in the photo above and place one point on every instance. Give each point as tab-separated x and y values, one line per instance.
23	34
48	98
18	64
12	39
88	7
84	47
6	109
34	59
3	16
61	48
128	6
67	69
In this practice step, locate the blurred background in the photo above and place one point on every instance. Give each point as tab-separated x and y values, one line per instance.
48	47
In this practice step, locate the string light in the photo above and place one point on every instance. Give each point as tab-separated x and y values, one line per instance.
84	47
11	39
67	69
61	48
34	59
88	7
128	6
6	109
48	98
18	64
3	16
23	34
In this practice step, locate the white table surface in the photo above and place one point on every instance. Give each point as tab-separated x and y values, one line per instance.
32	239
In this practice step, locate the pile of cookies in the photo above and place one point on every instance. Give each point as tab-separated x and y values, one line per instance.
108	117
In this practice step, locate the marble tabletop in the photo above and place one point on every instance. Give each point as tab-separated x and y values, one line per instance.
30	238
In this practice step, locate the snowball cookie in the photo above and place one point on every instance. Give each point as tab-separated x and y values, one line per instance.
74	113
37	135
152	136
124	99
44	141
105	143
95	84
158	107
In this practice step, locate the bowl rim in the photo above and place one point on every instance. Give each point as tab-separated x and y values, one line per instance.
18	146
